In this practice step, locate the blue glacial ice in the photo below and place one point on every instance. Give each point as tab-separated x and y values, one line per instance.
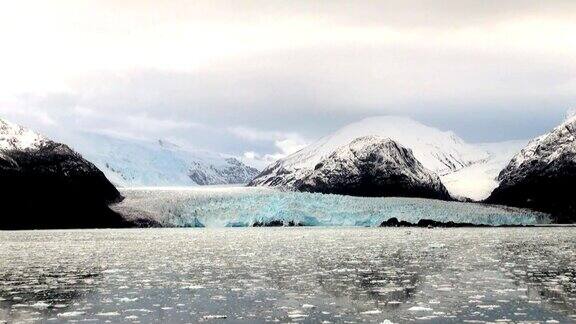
244	206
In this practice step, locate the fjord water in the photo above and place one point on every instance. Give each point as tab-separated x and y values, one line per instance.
307	274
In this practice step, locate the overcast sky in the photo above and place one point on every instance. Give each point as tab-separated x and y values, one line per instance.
263	78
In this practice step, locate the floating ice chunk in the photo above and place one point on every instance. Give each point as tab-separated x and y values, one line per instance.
108	314
193	287
110	271
70	314
372	312
40	305
488	306
419	309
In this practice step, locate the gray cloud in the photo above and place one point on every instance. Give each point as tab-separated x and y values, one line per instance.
486	69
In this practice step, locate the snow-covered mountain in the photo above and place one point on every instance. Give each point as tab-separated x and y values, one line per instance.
16	137
373	166
543	174
134	163
46	184
438	151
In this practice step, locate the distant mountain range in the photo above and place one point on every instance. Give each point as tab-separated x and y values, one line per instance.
381	156
539	176
135	163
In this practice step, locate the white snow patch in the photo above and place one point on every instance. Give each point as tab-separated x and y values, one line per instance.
477	181
16	137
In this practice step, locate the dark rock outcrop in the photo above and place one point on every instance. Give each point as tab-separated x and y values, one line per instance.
542	176
276	223
373	167
46	185
429	223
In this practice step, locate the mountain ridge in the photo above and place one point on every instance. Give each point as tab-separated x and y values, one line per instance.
45	184
541	176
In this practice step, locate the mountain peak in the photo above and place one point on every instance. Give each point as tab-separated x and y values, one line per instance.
373	166
439	151
16	137
542	174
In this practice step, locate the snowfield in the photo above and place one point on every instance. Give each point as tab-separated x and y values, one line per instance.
131	162
479	179
245	206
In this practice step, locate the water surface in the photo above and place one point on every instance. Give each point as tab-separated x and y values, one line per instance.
289	274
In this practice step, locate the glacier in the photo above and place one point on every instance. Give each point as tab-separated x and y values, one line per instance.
130	162
477	180
225	206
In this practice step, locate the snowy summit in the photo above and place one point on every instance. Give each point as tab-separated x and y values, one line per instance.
373	166
466	170
16	137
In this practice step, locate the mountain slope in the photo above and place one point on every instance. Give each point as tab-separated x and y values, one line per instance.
373	166
477	181
47	185
543	174
134	163
438	151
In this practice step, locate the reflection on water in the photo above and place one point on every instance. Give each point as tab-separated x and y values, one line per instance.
289	274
